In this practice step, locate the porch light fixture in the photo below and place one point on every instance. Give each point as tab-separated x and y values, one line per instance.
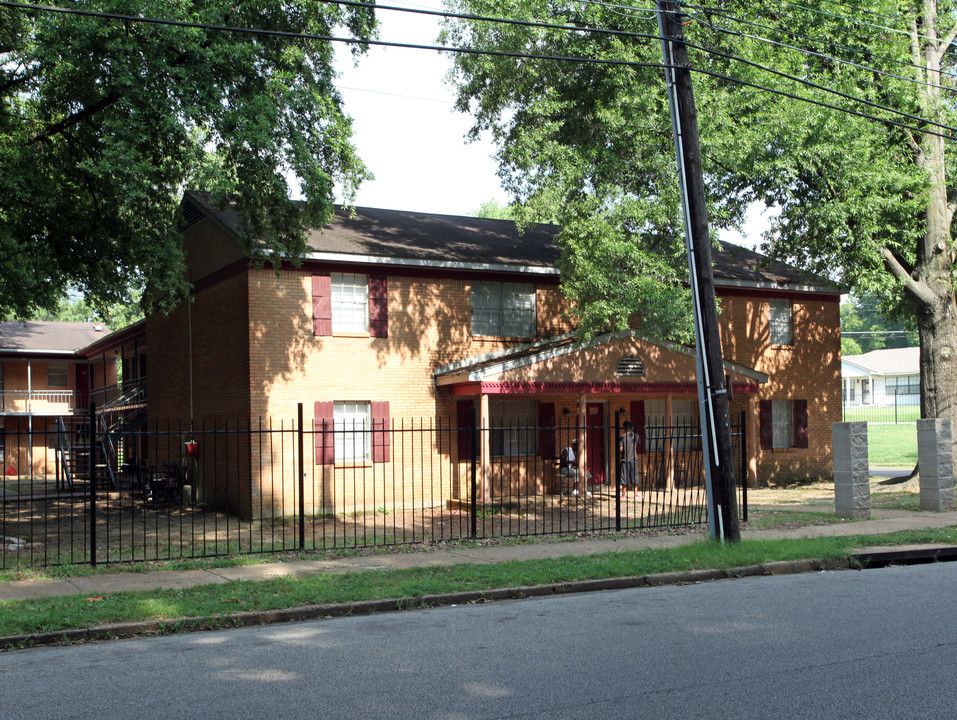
630	365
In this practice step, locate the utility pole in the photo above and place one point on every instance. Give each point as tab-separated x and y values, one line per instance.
712	392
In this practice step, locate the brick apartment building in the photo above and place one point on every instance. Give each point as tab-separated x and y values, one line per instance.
400	316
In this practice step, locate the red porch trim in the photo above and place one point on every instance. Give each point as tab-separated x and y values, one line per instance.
586	388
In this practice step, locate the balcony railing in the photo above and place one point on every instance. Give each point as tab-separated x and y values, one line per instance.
38	402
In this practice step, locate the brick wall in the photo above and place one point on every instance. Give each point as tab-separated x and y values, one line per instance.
255	356
810	370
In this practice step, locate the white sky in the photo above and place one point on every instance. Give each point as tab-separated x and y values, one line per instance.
405	128
408	134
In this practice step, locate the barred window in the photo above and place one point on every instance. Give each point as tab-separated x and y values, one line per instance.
514	427
503	309
782	423
781	322
352	425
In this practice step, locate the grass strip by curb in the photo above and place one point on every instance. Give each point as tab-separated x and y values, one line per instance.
79	617
368	607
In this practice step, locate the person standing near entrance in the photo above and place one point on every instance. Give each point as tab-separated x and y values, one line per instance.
628	460
569	468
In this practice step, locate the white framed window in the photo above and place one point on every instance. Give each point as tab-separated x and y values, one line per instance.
56	374
350	303
503	309
352	427
782	423
903	385
781	325
514	427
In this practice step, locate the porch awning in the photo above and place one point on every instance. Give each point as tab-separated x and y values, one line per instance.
611	364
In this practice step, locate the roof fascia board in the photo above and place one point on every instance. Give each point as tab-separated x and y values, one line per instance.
552	353
42	353
778	287
459	364
352	258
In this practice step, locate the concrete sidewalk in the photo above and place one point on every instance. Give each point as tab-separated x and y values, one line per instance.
883	521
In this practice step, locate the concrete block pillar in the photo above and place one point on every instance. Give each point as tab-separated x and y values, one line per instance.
935	463
852	485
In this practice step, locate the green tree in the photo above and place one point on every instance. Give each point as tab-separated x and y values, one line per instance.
491	210
588	147
871	330
867	202
104	122
849	346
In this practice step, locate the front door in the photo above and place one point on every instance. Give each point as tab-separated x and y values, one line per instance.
595	440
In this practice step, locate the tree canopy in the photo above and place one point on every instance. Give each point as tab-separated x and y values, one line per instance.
864	327
104	122
857	169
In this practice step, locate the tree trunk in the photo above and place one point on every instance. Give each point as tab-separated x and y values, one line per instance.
931	286
934	299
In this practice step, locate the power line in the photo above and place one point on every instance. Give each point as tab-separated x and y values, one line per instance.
553	26
866	11
517	55
878	332
816	86
814	53
898	31
802	36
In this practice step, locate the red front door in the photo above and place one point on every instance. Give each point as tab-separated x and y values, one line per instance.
595	440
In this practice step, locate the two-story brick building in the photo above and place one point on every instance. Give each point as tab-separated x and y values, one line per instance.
50	373
405	317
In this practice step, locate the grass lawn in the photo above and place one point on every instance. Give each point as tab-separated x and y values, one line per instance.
892	445
213	605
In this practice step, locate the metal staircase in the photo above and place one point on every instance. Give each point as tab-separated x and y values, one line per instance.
73	451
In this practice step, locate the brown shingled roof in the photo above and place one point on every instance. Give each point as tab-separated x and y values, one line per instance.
48	337
399	235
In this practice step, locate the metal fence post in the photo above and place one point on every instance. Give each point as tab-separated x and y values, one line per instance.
92	461
617	471
744	467
474	478
302	484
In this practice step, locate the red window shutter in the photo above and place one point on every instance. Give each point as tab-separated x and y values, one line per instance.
766	429
378	306
466	423
323	432
321	305
546	430
800	423
381	432
637	417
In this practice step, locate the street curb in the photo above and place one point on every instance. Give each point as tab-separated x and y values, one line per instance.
115	631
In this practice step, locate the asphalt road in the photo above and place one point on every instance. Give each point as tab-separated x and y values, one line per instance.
872	644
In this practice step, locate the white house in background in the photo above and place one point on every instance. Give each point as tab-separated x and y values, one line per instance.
882	377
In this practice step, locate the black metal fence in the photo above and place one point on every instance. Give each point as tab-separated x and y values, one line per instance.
87	493
887	410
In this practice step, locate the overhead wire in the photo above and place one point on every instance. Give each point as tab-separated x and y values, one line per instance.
823	56
517	55
823	41
835	16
